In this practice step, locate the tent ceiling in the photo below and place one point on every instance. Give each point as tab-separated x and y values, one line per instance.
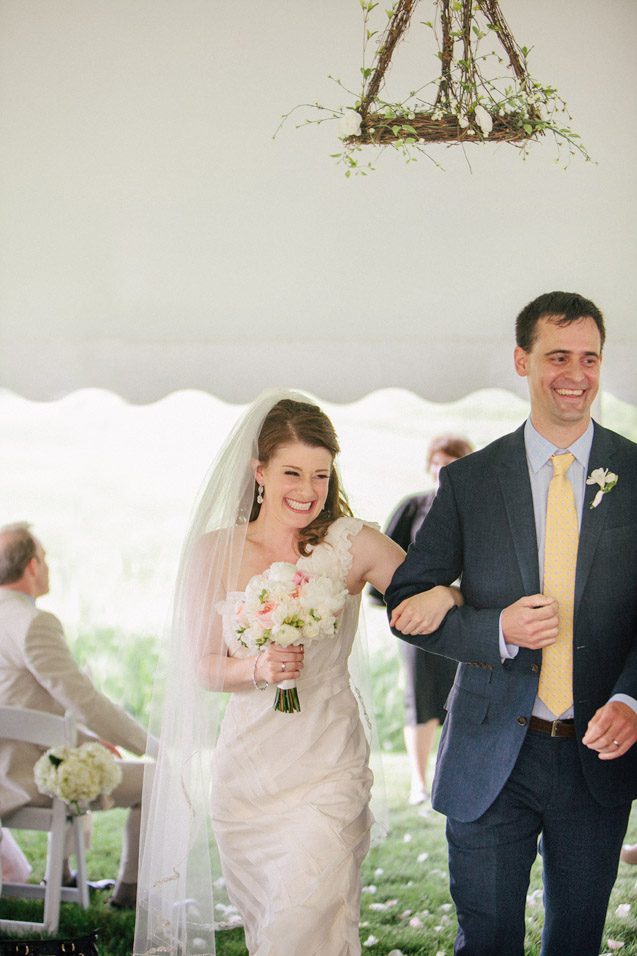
155	237
340	371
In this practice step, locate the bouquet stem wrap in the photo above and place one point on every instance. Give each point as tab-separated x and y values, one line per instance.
287	697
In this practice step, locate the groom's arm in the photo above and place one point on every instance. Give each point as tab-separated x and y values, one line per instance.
436	557
492	588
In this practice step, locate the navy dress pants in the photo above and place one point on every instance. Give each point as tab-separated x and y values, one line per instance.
490	858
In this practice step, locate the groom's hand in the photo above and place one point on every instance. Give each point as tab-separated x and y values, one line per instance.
612	730
531	622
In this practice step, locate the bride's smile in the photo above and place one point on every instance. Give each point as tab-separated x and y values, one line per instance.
295	483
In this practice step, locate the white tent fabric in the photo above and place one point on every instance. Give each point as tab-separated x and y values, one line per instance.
155	237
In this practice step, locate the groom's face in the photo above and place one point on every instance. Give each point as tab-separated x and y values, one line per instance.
562	367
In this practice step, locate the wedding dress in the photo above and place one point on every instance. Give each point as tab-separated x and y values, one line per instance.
286	796
290	802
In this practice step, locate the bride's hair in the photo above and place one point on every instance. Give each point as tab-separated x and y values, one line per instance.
290	421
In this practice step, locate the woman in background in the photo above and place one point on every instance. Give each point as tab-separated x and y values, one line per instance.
428	677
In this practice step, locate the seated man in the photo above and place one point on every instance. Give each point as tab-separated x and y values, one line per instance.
38	671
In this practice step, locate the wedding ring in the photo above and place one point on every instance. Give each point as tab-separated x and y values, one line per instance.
617	743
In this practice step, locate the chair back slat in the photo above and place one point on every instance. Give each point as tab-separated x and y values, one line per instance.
37	727
45	730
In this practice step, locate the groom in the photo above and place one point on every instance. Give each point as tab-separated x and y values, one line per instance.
542	717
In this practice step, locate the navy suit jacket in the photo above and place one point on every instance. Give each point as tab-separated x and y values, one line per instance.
481	528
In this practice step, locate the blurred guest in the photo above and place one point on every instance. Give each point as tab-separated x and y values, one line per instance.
37	670
428	677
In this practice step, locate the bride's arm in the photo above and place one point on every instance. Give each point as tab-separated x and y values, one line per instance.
423	613
222	672
216	670
375	558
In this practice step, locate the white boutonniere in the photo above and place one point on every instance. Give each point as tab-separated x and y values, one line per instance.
605	479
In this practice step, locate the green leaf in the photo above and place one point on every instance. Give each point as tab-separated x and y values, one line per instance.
528	129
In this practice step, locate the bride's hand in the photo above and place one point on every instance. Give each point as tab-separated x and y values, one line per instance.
277	663
423	613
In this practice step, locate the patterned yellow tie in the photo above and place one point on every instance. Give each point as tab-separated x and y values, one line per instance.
560	558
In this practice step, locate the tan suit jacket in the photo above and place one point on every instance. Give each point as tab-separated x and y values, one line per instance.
37	670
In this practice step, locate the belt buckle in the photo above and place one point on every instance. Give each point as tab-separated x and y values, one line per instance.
554	725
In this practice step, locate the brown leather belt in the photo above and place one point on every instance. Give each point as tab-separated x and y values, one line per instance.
554	728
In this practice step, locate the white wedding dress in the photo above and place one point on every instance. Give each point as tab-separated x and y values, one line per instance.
290	804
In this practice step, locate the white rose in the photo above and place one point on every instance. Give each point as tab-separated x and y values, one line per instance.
311	629
484	120
350	123
286	635
281	571
597	477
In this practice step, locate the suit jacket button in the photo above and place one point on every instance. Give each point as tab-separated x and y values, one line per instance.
535	668
522	721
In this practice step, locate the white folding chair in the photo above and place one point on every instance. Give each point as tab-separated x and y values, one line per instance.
46	730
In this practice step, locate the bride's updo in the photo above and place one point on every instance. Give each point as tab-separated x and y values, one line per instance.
291	421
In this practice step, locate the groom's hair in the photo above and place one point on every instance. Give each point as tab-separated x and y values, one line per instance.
563	307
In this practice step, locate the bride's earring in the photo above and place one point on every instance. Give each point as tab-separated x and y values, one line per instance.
260	490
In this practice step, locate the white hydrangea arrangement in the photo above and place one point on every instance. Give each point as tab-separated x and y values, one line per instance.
77	775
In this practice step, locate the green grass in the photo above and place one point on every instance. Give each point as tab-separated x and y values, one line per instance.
409	886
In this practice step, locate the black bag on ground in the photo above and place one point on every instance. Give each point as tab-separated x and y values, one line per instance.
80	946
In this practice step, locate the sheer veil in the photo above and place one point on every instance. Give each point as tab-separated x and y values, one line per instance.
177	875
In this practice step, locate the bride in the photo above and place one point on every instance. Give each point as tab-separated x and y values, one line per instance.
284	795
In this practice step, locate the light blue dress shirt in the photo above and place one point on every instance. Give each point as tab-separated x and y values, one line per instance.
539	452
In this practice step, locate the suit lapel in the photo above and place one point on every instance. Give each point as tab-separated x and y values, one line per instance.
593	519
515	486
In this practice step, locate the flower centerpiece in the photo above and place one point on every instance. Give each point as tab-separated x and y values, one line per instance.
285	605
77	775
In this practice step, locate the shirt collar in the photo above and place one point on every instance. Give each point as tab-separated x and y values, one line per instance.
21	595
539	450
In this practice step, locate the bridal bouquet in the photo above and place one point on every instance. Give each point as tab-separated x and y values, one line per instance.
77	775
287	606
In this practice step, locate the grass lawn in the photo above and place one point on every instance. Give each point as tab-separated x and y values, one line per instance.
406	905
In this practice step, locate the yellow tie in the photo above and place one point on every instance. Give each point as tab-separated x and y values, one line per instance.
560	559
